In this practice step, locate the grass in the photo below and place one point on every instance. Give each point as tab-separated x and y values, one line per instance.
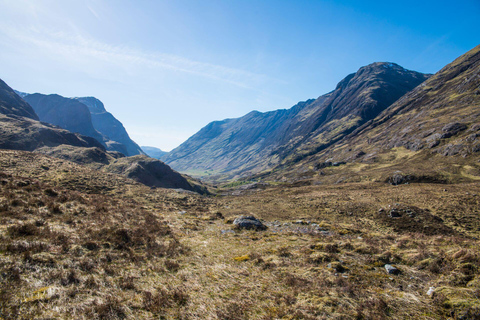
130	252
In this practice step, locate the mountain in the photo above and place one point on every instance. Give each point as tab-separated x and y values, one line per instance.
429	134
154	152
441	115
105	123
86	116
260	141
21	130
66	113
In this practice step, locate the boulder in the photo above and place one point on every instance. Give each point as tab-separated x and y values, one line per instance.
391	269
249	223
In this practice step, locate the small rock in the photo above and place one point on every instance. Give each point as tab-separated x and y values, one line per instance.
394	213
391	269
430	291
249	223
337	266
182	212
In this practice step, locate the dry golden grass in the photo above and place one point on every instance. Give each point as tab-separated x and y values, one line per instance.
130	252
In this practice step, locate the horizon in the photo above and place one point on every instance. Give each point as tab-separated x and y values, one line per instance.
216	60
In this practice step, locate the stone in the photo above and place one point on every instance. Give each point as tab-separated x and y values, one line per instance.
394	213
249	223
337	266
430	291
391	269
399	178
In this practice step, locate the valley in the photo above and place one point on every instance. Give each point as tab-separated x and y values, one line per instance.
361	204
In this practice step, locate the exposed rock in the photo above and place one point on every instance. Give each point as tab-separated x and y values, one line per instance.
452	149
391	269
249	223
394	213
105	123
399	178
337	266
431	291
433	140
451	129
11	104
66	113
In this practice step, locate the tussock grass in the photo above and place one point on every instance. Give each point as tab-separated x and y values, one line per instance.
130	252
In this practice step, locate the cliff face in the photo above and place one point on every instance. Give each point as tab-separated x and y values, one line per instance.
105	123
66	113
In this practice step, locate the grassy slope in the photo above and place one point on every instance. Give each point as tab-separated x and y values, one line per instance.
74	241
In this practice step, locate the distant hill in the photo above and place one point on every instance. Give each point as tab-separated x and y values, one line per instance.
260	141
105	123
154	152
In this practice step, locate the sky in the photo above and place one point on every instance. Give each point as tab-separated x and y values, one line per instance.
167	68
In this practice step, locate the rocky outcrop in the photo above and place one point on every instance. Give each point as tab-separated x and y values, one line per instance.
439	116
249	223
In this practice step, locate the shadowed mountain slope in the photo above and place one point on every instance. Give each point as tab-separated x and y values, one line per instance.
66	113
105	123
13	104
259	141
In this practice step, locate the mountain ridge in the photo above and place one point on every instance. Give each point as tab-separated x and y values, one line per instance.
259	141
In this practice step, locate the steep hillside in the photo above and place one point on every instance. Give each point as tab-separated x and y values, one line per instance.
12	104
105	123
435	121
66	113
154	152
259	141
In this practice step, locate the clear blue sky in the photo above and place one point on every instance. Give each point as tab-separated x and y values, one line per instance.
168	68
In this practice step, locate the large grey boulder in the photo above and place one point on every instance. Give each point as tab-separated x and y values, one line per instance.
249	223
